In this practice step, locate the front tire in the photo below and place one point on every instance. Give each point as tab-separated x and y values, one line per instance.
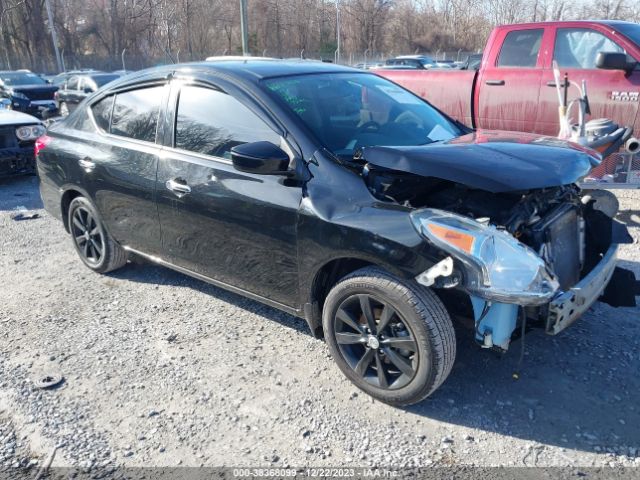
392	338
94	245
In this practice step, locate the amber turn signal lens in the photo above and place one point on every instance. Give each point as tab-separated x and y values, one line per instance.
462	241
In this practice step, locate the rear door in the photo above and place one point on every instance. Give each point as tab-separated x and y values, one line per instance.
611	92
234	227
509	83
118	164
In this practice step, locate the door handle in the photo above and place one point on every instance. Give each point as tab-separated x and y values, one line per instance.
180	188
553	84
494	82
87	164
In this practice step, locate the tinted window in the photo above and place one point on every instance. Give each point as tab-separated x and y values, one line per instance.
211	122
520	48
578	48
135	113
102	112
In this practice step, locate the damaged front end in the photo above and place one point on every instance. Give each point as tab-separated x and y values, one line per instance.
541	255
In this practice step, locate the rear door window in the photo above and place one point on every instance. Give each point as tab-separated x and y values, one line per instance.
579	47
212	122
135	113
521	48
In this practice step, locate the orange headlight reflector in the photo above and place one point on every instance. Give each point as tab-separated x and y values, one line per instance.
460	240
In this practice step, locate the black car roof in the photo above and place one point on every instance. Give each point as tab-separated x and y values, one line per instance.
250	70
273	68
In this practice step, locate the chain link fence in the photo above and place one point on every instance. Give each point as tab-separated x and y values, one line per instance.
130	61
620	170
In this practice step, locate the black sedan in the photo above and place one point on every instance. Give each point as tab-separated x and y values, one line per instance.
28	93
77	87
337	196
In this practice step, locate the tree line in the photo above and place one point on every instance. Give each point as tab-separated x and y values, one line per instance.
138	33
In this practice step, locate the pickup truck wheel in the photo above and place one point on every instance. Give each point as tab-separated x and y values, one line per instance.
96	248
392	338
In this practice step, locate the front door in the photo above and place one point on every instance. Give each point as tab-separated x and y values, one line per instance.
612	94
234	227
510	82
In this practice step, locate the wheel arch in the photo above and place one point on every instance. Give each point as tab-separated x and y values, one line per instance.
68	194
324	279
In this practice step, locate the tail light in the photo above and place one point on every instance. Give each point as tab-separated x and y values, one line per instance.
41	143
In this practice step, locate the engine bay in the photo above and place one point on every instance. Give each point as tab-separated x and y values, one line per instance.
559	223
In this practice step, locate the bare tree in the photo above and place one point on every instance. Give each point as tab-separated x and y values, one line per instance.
94	33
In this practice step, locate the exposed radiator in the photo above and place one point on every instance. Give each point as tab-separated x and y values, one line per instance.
561	236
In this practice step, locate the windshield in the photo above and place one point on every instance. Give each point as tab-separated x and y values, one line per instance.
630	30
19	78
101	80
348	111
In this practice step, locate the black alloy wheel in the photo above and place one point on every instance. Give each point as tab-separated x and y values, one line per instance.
92	241
390	336
87	235
375	341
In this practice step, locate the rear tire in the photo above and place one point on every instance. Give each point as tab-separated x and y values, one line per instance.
392	338
94	245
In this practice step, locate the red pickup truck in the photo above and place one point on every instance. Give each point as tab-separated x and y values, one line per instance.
514	88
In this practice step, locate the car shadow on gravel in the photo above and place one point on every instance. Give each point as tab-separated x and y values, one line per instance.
20	192
571	390
142	272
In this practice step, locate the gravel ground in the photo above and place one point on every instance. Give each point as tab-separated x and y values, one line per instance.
163	370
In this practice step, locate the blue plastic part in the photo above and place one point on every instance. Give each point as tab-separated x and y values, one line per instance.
500	320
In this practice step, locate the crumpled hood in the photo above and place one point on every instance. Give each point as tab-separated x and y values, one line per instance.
12	117
494	161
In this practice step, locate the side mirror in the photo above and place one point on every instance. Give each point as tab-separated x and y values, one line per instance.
613	61
263	158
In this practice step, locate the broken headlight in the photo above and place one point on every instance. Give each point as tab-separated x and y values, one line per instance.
498	267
